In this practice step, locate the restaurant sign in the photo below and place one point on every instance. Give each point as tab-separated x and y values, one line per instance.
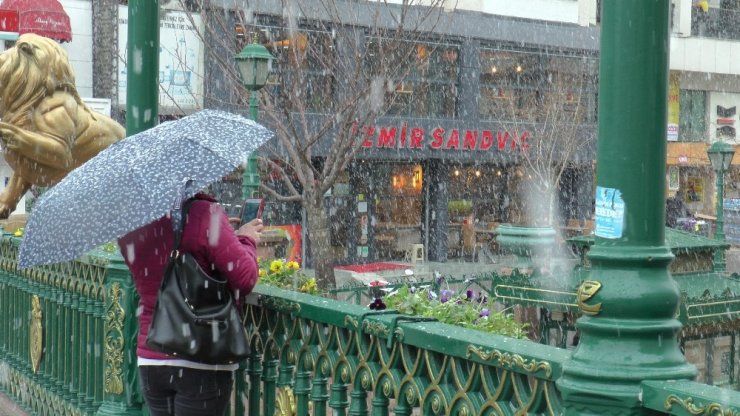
441	139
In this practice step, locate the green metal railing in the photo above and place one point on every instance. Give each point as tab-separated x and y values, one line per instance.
67	347
67	335
312	355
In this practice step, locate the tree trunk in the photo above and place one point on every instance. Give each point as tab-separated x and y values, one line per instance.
322	257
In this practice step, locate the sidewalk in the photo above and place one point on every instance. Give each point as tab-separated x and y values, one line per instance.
732	258
9	408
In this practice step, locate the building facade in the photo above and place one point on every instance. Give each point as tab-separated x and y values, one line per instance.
488	55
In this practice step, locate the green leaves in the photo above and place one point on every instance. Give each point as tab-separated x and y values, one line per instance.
461	310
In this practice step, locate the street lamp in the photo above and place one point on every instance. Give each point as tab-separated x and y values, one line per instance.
720	155
254	63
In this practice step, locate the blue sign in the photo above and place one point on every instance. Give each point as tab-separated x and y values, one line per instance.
609	213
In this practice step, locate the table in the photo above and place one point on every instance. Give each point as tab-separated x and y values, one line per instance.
487	240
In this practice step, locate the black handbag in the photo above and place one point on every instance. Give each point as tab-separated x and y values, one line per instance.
196	317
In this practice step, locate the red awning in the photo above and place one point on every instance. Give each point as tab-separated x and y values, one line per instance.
42	17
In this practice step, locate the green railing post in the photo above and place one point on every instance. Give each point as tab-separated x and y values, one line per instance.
269	380
358	402
629	302
339	400
254	370
74	346
302	388
319	389
120	375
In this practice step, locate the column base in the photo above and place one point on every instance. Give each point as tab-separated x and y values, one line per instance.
117	409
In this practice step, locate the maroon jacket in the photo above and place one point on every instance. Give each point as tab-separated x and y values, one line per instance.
208	236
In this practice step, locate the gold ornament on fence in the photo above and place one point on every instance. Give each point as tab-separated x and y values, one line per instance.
586	291
285	404
36	334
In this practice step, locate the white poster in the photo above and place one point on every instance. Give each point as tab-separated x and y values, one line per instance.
180	60
724	119
101	105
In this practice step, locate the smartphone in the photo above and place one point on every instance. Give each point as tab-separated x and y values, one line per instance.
252	209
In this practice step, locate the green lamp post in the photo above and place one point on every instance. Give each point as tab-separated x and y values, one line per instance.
253	63
629	302
720	156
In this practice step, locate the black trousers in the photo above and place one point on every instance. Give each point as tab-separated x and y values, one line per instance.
180	391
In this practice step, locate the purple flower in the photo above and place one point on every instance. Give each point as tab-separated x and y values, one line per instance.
445	295
377	304
469	294
431	295
485	312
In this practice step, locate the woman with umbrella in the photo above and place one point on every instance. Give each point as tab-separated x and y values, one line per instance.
138	180
174	386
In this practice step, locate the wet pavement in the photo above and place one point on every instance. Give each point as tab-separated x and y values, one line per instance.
9	408
732	258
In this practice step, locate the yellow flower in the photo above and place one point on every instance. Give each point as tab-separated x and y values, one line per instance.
309	286
263	273
293	265
276	266
259	259
19	232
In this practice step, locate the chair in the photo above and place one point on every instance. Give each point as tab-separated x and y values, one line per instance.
470	242
415	253
588	227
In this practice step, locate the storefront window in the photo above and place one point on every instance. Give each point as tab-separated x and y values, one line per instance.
516	85
480	192
399	194
398	208
426	73
303	59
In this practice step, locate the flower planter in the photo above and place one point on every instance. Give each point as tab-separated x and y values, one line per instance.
525	241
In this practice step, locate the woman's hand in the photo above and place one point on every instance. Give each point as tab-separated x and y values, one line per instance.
252	229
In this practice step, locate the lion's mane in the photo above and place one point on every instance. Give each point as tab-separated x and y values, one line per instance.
37	68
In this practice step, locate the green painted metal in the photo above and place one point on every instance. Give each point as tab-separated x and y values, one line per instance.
255	53
328	355
142	66
77	356
686	398
719	255
720	149
524	239
633	337
251	179
339	357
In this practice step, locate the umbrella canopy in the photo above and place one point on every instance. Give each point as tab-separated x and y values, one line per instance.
134	182
42	17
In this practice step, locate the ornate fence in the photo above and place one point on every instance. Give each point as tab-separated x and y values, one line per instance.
67	335
67	347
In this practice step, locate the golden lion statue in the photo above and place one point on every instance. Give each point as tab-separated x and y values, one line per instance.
46	130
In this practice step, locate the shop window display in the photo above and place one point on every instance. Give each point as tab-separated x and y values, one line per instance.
478	201
427	86
515	85
398	206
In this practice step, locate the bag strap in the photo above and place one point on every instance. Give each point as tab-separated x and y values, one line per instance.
180	210
179	229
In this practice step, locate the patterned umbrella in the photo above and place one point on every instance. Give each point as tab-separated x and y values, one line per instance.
134	182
